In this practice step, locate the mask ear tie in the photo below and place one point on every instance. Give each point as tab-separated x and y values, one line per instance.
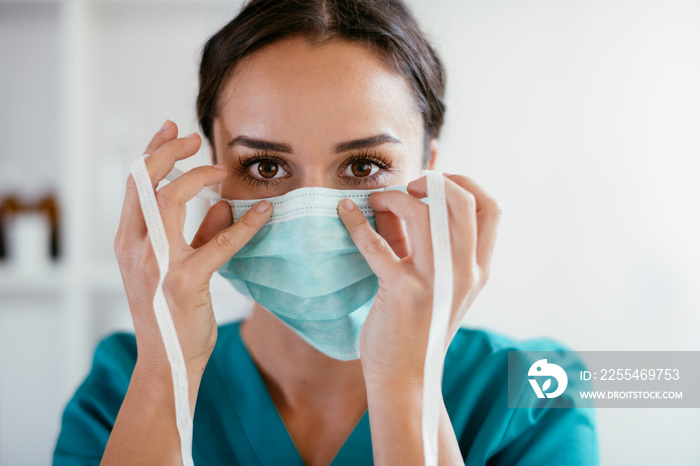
442	309
161	249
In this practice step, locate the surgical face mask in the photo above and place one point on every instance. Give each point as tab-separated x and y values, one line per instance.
304	268
442	286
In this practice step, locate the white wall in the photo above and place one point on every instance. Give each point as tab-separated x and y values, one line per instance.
582	119
579	117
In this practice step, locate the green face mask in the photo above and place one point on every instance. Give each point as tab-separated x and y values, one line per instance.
304	267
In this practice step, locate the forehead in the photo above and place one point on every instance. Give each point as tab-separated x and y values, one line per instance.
339	89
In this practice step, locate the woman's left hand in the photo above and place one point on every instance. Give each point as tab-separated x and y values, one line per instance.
394	337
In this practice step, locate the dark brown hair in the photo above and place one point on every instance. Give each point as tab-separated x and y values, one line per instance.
387	27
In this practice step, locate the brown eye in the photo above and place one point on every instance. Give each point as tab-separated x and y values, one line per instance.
361	169
268	169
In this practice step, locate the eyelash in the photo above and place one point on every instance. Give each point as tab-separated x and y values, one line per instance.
372	156
245	161
366	155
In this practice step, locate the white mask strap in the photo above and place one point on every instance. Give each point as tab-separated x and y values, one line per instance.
439	322
161	248
440	319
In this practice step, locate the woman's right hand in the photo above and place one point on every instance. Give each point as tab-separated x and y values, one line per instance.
186	284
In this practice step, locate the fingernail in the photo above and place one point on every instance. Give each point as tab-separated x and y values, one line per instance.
191	136
220	166
164	127
347	204
262	206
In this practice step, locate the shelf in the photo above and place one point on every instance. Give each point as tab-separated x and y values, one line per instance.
95	79
103	277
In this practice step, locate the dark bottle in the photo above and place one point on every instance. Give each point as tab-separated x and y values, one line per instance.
47	206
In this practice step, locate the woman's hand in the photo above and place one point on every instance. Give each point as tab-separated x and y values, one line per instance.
394	337
145	431
186	285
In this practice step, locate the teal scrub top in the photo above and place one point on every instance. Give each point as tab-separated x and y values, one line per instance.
236	421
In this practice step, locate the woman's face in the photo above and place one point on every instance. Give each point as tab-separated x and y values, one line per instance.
296	115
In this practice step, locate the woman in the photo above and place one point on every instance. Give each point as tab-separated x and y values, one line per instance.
296	94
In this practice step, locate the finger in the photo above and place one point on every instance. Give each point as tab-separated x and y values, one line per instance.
218	217
213	254
372	246
461	207
131	220
464	233
131	223
162	161
190	184
415	214
487	213
172	197
392	230
166	133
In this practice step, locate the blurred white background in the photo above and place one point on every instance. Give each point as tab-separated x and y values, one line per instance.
581	118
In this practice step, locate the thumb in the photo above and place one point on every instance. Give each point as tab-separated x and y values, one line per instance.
213	254
218	217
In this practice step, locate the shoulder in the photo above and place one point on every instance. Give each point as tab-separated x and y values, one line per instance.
489	341
118	351
475	350
486	377
90	414
112	364
115	356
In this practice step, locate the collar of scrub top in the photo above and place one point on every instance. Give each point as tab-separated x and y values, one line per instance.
439	322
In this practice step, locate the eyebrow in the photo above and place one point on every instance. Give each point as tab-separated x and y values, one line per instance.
261	144
364	143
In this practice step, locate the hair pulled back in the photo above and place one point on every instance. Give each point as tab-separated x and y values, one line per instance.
386	27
